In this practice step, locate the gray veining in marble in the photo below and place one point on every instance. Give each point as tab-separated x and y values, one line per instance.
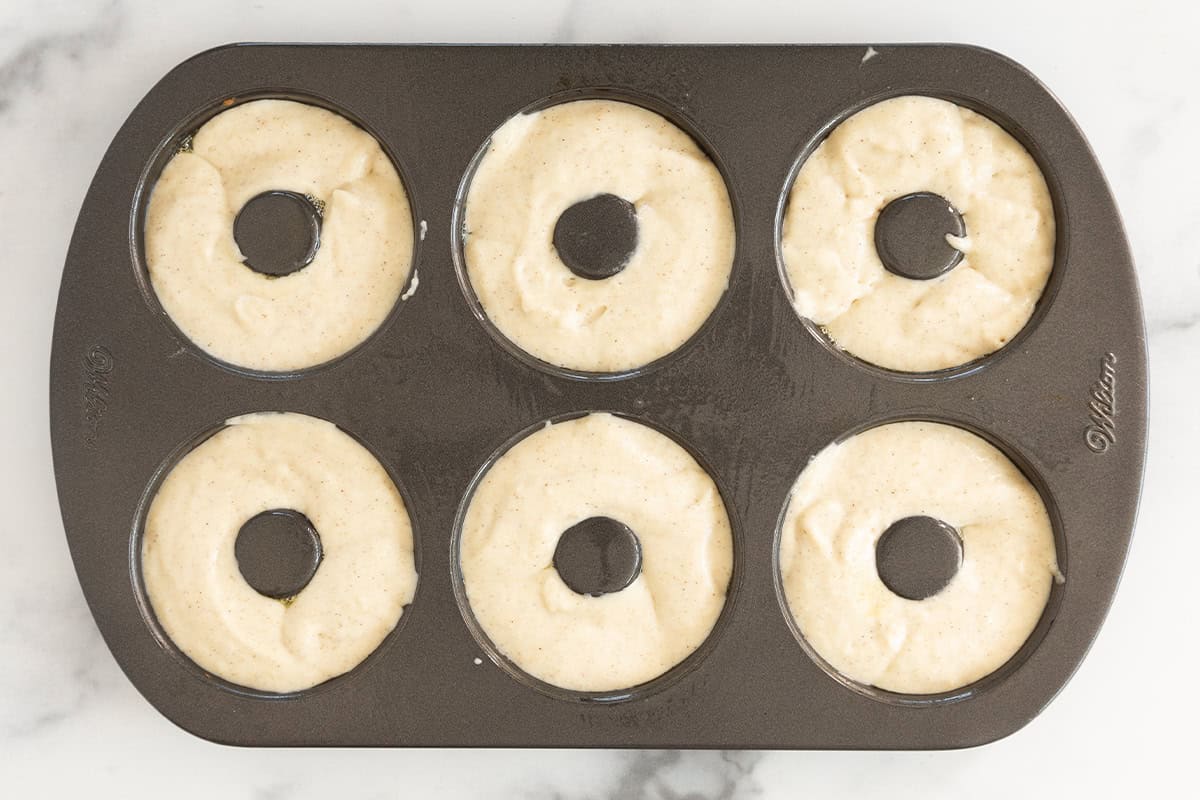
23	70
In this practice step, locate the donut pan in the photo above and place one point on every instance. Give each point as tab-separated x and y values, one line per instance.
755	395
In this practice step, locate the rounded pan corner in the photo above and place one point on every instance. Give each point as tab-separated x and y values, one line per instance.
992	737
213	52
210	734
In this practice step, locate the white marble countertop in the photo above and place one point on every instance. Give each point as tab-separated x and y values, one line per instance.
71	722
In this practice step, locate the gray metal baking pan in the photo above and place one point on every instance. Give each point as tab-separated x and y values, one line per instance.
756	393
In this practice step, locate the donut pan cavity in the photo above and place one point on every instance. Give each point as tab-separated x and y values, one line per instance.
756	393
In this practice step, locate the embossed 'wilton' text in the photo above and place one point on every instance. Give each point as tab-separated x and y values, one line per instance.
1101	434
97	373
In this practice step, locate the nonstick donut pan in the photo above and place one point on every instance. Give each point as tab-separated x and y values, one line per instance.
755	394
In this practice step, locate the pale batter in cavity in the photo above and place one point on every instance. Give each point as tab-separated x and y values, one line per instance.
891	149
844	501
270	461
539	165
598	465
310	316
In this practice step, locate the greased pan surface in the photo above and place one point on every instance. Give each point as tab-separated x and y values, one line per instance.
755	395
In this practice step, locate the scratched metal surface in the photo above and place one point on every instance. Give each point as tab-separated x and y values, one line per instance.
756	394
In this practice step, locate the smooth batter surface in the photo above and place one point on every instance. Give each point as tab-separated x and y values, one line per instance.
540	164
851	493
598	465
310	316
273	461
897	147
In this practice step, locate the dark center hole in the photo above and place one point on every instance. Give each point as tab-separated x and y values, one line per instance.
278	552
910	236
917	556
598	556
596	237
278	232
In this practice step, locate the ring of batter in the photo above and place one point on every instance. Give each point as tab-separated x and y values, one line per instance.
256	463
313	315
538	165
845	499
891	149
557	476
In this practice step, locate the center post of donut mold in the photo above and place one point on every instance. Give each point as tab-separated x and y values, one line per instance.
278	232
917	557
910	236
598	556
278	552
595	238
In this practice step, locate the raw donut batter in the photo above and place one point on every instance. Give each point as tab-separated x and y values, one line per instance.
895	148
598	465
851	493
310	316
271	461
540	164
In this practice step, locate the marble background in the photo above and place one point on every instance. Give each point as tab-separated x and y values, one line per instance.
70	722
